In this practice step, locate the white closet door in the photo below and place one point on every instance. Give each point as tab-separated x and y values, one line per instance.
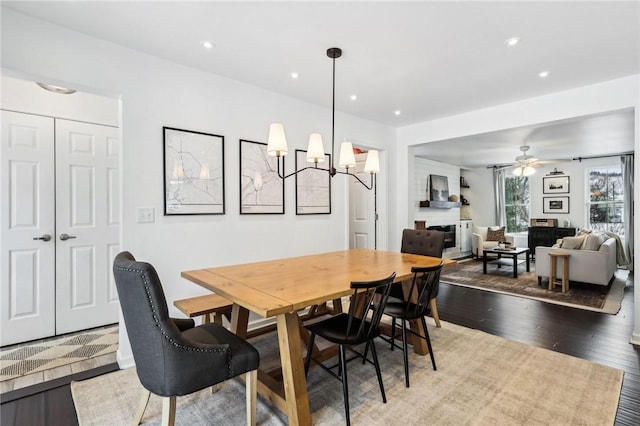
87	224
27	267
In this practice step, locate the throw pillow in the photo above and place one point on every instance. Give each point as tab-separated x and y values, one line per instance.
495	234
593	241
573	242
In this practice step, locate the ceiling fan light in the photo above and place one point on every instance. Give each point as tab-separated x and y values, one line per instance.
528	170
517	171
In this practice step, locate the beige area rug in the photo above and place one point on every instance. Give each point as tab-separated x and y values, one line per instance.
590	297
481	380
27	358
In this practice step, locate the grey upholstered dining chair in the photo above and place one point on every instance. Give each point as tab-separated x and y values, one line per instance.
426	243
173	357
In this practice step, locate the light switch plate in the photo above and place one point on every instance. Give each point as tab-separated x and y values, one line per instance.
146	214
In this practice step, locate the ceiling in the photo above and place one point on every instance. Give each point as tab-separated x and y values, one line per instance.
594	135
425	59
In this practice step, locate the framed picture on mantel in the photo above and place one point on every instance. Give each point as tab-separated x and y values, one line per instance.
438	188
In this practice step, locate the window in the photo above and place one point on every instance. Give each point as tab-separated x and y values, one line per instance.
517	201
605	200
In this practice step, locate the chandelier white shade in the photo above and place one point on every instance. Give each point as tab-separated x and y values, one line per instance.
277	142
315	150
372	165
347	158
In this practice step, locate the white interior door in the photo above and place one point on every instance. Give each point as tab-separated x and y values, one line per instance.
362	221
27	236
87	224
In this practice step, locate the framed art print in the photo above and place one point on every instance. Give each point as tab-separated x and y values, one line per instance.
193	172
439	188
313	186
558	205
261	189
555	185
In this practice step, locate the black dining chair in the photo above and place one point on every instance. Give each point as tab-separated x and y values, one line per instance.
426	243
347	330
174	357
424	283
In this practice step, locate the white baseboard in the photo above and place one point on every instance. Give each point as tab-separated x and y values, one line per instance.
635	339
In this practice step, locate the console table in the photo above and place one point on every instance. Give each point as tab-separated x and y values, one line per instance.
546	236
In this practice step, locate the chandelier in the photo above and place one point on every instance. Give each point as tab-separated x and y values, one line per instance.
277	144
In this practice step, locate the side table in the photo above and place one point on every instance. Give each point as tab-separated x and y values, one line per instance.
565	270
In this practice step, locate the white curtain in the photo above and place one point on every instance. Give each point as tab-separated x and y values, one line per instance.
498	189
627	175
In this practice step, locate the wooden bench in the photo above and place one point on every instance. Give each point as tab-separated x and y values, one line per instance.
211	306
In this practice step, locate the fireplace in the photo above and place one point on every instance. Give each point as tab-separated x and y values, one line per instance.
449	234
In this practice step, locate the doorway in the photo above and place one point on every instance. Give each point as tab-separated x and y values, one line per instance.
364	209
60	224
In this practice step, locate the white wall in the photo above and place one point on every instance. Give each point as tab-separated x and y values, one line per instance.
156	93
597	98
480	195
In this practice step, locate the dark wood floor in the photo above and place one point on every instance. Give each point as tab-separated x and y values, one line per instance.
596	337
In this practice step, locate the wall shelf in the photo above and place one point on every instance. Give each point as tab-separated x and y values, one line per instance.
440	204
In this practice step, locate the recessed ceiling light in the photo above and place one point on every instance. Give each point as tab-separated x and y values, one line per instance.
512	41
56	89
354	97
295	75
543	74
207	44
397	112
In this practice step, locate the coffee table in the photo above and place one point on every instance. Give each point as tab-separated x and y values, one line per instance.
513	253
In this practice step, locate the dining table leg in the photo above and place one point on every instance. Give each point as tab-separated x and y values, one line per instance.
295	384
239	320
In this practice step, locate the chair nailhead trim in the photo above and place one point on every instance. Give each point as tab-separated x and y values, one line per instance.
172	341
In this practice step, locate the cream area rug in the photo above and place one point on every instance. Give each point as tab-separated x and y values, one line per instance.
481	380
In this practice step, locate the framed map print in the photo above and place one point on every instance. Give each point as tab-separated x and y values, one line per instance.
313	186
261	189
193	172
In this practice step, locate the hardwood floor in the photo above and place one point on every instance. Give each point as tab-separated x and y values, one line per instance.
593	336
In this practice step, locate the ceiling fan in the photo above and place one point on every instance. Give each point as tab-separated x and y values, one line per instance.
526	164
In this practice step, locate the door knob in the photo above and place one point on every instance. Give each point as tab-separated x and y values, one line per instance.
65	237
45	237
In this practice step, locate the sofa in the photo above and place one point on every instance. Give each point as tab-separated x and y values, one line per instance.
587	266
480	242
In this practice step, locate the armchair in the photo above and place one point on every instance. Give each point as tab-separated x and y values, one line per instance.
479	240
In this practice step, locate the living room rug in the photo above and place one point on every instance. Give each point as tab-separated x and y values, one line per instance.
481	380
468	273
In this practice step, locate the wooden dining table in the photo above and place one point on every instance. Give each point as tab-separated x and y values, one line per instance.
281	288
